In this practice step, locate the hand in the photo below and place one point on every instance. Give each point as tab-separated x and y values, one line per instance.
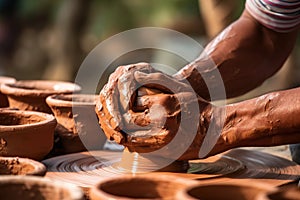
162	112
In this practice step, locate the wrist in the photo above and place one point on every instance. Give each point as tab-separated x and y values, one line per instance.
192	74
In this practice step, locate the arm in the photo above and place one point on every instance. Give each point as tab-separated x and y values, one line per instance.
244	49
269	120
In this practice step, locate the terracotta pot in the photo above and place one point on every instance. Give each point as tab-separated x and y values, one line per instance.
26	134
3	97
21	166
36	188
139	187
77	128
240	190
291	192
32	94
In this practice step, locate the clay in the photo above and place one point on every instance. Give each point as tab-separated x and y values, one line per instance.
139	187
32	94
108	109
26	134
87	168
77	122
133	162
126	116
3	97
21	166
36	188
252	190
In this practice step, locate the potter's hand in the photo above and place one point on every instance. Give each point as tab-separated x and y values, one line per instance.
176	117
115	99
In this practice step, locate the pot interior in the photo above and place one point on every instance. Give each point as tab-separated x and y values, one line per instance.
140	188
224	192
14	167
13	119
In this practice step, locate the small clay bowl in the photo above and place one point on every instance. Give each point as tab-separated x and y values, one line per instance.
139	187
26	134
225	191
21	166
37	188
3	97
77	122
32	94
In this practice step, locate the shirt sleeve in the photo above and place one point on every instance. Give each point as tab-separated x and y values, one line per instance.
278	15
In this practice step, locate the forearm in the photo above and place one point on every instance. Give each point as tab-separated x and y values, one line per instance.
245	54
269	120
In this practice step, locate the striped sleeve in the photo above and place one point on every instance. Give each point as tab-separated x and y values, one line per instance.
278	15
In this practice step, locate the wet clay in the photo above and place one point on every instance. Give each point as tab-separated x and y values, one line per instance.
14	167
32	94
26	134
21	166
141	129
34	188
86	168
3	97
77	122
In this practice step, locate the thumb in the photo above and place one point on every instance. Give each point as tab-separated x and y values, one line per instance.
160	81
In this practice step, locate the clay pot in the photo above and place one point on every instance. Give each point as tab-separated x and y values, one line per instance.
26	134
32	94
225	191
292	192
139	187
21	166
36	188
77	128
3	97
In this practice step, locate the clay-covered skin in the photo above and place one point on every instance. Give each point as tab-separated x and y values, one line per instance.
245	53
146	119
268	120
244	49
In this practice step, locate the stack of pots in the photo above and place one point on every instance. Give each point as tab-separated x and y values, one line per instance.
27	130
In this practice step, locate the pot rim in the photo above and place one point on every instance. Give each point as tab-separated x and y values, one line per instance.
7	79
39	168
95	189
75	192
58	100
48	119
251	184
13	90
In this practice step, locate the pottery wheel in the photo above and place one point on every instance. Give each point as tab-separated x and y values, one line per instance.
85	170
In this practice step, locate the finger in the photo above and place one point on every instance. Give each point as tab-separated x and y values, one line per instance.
127	85
147	91
160	81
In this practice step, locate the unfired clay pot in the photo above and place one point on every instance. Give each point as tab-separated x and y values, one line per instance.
26	134
32	94
77	128
139	187
37	188
3	98
21	166
250	190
